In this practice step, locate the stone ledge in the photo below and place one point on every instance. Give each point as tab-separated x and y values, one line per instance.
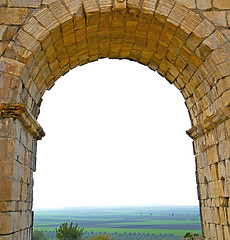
217	117
195	131
19	111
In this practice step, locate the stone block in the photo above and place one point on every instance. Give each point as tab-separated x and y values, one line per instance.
216	215
227	185
217	17
47	19
223	215
54	67
212	232
203	30
201	160
221	4
226	32
148	7
226	98
11	32
9	149
180	63
190	22
11	66
223	84
34	28
177	14
188	3
221	132
13	16
215	40
14	170
214	171
221	170
7	169
224	150
224	70
219	188
9	128
6	223
228	18
226	232
204	4
203	191
14	206
24	3
59	11
9	81
3	30
3	3
207	174
118	5
213	155
3	46
220	232
163	9
227	163
209	213
74	5
47	2
9	222
9	190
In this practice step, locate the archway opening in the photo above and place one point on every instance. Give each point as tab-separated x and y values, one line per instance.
114	139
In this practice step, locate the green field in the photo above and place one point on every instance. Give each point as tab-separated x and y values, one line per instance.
123	222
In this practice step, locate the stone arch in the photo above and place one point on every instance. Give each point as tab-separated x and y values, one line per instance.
182	40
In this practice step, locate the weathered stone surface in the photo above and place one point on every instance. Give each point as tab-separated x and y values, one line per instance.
187	41
24	3
11	66
204	4
221	4
13	16
203	30
3	46
188	3
148	7
47	2
228	18
217	17
3	3
3	29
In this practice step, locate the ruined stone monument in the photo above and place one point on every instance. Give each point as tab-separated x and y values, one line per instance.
185	41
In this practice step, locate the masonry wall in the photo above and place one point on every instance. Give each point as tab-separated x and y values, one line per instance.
186	41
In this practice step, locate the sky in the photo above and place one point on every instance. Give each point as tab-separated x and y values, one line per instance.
115	136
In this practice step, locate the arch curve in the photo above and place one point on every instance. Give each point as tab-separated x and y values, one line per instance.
171	37
165	36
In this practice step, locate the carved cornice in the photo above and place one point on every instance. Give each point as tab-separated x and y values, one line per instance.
19	111
195	131
216	117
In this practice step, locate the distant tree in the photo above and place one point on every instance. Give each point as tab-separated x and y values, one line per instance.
38	235
65	232
188	235
102	237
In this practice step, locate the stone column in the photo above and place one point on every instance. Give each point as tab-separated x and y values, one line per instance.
212	150
18	142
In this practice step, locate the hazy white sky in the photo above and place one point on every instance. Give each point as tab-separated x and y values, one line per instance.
115	135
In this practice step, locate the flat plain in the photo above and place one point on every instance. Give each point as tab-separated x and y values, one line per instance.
157	222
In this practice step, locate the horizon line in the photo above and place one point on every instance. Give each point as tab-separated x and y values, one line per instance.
115	206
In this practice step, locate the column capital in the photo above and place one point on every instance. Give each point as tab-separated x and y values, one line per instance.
20	112
209	122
